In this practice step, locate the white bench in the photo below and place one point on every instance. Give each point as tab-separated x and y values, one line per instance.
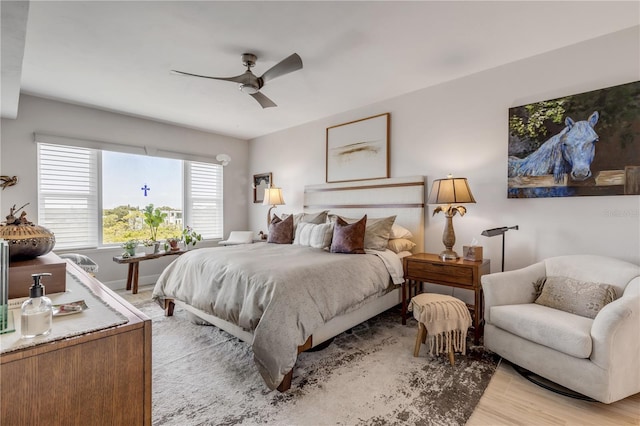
238	237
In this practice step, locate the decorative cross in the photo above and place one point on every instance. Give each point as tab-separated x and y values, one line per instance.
145	188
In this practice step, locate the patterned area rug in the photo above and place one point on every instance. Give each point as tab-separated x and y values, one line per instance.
367	376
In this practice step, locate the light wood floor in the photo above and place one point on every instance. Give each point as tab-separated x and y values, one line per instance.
510	399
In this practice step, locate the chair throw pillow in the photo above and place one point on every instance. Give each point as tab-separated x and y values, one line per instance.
576	297
538	285
281	231
348	238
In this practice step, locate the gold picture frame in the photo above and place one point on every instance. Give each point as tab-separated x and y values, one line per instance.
358	150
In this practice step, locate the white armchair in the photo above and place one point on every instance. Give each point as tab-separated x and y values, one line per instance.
598	357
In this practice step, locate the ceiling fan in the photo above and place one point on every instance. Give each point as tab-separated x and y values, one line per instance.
251	84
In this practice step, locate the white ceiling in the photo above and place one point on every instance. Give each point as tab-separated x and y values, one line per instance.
117	55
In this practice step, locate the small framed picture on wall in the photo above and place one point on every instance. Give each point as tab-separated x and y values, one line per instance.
260	183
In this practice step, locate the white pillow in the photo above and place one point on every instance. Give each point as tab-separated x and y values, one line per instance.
399	231
403	254
400	244
314	235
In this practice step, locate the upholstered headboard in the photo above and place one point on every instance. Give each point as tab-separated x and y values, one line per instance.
402	196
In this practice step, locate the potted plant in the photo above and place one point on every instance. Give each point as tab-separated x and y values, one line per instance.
173	243
129	248
190	237
149	246
154	218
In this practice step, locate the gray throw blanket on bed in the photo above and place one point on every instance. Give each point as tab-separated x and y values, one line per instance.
281	293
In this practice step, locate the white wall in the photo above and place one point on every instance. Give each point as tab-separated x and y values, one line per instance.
460	127
18	156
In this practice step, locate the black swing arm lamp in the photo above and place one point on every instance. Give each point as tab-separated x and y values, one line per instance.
499	231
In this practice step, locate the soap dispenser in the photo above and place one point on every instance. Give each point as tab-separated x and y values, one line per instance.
37	311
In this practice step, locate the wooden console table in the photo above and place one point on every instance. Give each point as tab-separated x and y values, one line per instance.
134	264
98	377
429	268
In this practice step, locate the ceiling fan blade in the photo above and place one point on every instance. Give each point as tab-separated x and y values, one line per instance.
287	65
263	100
244	78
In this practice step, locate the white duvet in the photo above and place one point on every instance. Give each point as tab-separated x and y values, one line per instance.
279	292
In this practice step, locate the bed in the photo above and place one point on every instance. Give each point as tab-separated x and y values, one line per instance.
284	299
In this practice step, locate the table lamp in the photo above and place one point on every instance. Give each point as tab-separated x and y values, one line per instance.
272	197
450	191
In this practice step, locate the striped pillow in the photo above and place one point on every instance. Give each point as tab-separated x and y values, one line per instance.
314	235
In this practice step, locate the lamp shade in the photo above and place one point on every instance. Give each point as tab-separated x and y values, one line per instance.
273	197
450	191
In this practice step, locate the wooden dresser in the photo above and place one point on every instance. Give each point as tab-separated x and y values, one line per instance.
102	377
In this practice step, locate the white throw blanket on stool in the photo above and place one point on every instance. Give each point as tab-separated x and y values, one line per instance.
446	320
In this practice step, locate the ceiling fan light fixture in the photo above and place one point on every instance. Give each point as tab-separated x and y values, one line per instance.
249	89
249	83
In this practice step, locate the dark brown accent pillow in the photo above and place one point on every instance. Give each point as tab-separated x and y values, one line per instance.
376	236
281	231
349	237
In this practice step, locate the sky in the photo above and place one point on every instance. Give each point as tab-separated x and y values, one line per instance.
124	176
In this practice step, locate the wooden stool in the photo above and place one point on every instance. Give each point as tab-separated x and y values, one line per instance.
444	319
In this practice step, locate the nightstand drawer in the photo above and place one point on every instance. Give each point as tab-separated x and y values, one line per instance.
440	272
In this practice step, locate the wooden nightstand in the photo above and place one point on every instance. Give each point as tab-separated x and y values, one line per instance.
427	267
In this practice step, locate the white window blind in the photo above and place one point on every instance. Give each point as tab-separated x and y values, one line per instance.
203	199
68	194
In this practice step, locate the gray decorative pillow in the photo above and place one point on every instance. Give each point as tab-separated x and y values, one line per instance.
574	296
317	218
348	237
281	231
377	233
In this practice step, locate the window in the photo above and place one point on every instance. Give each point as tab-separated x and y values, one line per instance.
93	197
67	198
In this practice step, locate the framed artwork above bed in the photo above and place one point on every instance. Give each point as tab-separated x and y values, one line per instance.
358	150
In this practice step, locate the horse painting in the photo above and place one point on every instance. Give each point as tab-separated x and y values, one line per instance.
571	151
